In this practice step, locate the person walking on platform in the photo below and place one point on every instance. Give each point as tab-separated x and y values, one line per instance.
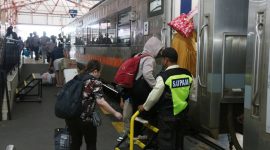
171	94
60	40
93	92
56	57
28	44
43	46
67	45
35	42
51	45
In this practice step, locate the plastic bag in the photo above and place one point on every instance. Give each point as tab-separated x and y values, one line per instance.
95	119
47	78
183	24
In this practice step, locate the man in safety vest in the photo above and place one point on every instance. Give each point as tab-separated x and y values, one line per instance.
171	94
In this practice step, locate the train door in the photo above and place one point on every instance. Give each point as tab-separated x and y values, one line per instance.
172	9
257	91
221	61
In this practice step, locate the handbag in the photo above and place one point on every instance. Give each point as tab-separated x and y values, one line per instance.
95	119
183	23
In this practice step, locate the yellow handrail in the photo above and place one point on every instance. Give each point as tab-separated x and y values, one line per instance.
131	138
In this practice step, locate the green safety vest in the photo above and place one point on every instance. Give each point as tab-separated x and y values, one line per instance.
178	81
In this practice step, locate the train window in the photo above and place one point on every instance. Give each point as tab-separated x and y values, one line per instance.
102	33
94	31
88	35
111	31
84	36
79	37
123	28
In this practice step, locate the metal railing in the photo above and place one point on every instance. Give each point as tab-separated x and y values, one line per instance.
10	54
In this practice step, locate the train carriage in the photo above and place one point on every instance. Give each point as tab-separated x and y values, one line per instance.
116	29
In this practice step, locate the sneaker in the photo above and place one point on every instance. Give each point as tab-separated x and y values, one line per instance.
120	138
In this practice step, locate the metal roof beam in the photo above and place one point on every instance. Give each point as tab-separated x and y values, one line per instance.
22	5
41	13
78	4
55	6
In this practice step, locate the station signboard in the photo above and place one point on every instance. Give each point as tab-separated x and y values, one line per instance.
73	12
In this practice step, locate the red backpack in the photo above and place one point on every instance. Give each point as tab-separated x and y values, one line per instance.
126	74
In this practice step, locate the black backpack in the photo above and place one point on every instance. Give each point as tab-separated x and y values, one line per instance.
69	99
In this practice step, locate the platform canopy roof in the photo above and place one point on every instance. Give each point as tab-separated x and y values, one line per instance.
44	12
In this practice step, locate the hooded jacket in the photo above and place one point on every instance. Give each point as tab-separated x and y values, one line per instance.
148	63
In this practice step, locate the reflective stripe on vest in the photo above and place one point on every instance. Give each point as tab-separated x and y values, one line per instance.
179	86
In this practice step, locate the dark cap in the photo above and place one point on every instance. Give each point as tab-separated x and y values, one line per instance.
170	53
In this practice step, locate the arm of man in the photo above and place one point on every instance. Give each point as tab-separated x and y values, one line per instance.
154	95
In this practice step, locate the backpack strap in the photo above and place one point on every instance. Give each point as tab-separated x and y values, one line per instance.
87	77
141	55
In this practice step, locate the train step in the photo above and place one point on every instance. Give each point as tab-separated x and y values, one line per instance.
31	86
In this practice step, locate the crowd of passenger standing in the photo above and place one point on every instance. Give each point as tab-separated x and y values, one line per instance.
44	46
52	49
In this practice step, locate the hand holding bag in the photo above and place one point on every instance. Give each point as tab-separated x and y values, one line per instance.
183	23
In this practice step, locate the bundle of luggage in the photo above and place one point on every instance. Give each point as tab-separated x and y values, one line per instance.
48	78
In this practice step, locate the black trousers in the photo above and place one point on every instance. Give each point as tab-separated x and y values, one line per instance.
79	129
36	50
171	133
